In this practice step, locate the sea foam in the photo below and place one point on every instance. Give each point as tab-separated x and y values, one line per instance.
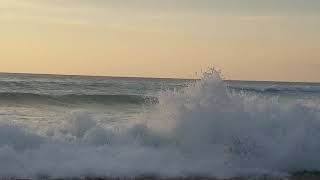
202	130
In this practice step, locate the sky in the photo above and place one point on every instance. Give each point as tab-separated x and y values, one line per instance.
247	39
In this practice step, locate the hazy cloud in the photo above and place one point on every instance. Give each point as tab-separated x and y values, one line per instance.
229	6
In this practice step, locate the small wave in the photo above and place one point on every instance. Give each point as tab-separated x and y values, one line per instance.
76	98
278	89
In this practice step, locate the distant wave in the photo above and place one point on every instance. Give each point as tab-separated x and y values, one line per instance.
278	89
76	98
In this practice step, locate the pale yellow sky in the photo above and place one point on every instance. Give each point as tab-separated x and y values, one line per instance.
251	40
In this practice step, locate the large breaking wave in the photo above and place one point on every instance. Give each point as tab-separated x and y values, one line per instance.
204	129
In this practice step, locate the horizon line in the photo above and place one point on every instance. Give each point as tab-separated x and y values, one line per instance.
146	77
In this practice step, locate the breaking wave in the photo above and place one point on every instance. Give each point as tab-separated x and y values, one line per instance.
203	130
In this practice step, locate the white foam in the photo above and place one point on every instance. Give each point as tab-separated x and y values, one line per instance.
201	130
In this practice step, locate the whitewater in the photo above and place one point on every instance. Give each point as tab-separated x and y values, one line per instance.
64	126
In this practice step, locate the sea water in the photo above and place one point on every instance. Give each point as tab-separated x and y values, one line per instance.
73	126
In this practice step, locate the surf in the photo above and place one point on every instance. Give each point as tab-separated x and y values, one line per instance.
201	130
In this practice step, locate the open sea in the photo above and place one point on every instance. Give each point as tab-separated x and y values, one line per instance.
75	126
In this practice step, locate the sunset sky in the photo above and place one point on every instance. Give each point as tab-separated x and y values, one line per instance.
246	39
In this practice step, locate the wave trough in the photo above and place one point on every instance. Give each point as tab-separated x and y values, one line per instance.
76	98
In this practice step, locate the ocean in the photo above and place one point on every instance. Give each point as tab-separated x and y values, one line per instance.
75	126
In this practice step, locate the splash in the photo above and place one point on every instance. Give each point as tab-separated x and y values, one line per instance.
204	129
